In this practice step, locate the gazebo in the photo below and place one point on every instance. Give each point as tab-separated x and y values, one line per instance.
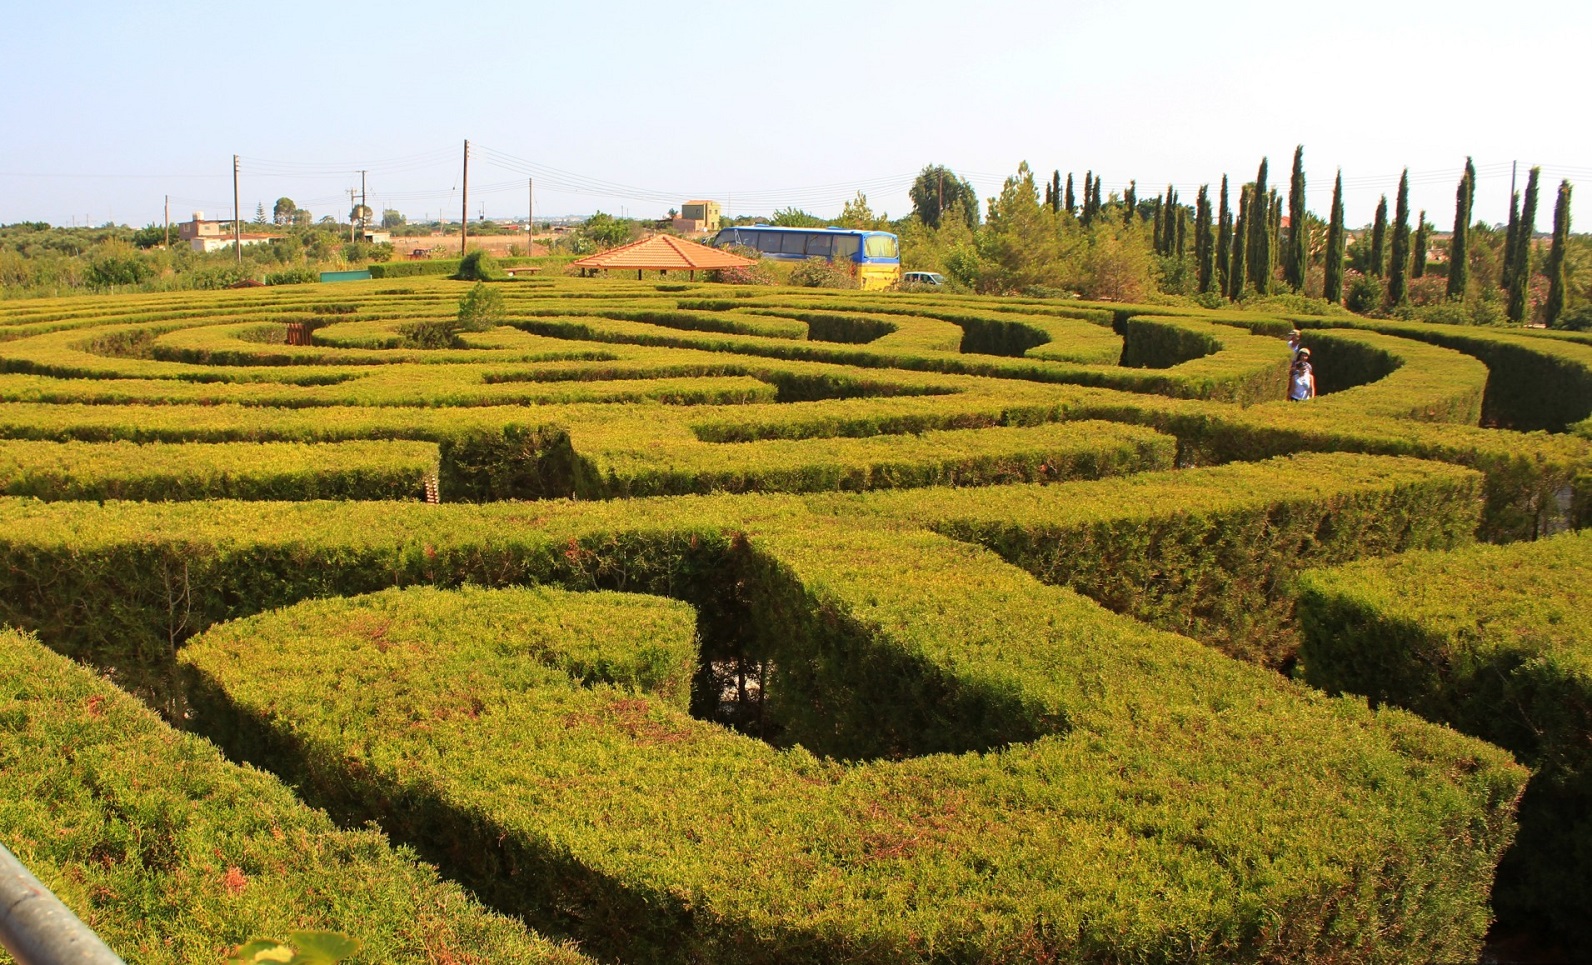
664	253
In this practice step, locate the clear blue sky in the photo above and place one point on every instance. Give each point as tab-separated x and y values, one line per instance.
633	107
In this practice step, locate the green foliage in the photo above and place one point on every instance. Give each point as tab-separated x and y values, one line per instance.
1458	245
1006	661
936	190
1296	260
1365	294
1553	311
1493	641
1518	275
1398	275
174	854
795	218
823	273
477	266
482	307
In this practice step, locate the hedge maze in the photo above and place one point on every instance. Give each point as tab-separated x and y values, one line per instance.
691	623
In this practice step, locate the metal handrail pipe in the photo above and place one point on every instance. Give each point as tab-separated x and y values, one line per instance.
37	929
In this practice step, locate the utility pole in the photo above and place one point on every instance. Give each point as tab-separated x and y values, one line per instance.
530	212
168	221
464	211
237	218
363	207
350	214
1513	167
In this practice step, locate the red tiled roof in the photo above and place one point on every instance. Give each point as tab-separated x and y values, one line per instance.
664	253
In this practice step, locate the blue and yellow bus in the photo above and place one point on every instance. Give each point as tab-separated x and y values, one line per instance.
875	256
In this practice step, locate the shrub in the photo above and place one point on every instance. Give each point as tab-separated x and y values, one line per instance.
1364	295
477	265
822	273
292	276
481	308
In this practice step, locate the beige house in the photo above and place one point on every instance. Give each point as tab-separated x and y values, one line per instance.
697	218
203	235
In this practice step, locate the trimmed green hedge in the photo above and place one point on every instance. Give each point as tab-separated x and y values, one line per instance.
1497	642
174	855
1210	554
184	471
1163	803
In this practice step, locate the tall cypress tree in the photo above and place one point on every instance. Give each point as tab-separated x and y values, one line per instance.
1555	268
1130	202
1332	283
1204	256
1238	266
1181	244
1088	195
1397	288
1275	225
1520	285
1100	199
1072	202
1224	240
1379	240
1055	192
1298	239
1258	243
1423	239
1507	274
1158	229
1459	244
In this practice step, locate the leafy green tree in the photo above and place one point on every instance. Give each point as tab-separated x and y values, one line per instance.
359	214
1055	192
1298	234
259	213
1556	255
1458	245
1090	205
1520	263
935	190
1224	240
606	231
793	218
1397	284
857	214
1332	283
1071	201
282	212
1258	244
391	219
1378	264
1130	202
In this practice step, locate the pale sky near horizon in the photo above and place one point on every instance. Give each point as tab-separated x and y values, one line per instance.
632	107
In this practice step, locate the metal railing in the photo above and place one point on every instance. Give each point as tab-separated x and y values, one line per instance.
37	929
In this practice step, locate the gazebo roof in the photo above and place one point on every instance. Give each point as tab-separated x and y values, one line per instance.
664	253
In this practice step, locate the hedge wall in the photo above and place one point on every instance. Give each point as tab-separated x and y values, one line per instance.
173	854
1497	642
1106	825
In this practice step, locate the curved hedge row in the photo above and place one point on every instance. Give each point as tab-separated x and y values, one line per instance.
1497	642
173	854
628	824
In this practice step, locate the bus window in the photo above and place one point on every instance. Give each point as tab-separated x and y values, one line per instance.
819	246
846	246
768	242
882	246
796	243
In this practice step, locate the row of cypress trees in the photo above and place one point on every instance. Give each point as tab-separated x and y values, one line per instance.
1238	252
